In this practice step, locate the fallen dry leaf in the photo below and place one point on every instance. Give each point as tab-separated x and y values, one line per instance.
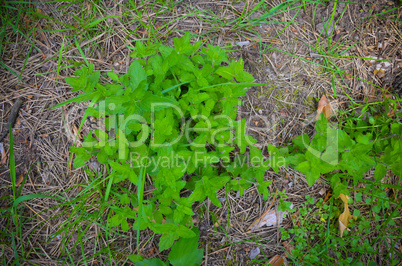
345	216
276	260
20	179
322	191
257	222
270	218
324	106
379	73
329	194
337	35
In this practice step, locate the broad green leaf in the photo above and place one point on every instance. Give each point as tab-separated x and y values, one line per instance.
345	142
163	228
186	252
244	77
124	199
82	156
322	124
135	258
155	103
92	81
240	135
115	220
113	76
380	171
185	232
78	83
124	225
263	189
136	74
296	159
364	138
302	141
226	72
143	51
178	215
156	63
276	159
216	54
182	45
311	172
167	240
165	50
151	262
396	128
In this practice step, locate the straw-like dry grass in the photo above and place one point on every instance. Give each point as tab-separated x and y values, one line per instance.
285	51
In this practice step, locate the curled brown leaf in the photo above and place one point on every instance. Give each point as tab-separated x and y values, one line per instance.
324	106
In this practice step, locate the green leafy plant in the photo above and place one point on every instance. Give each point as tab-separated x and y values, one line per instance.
316	240
346	153
170	121
184	252
368	138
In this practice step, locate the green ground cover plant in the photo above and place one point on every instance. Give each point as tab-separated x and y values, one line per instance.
367	139
171	120
347	153
180	104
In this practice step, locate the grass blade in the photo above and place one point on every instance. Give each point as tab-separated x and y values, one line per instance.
59	61
33	196
140	195
12	162
81	52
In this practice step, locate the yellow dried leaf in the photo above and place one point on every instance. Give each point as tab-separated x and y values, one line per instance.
19	181
324	106
345	216
381	73
257	223
271	218
276	260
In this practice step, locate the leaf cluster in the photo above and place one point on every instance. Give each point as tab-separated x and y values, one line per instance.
345	154
172	115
